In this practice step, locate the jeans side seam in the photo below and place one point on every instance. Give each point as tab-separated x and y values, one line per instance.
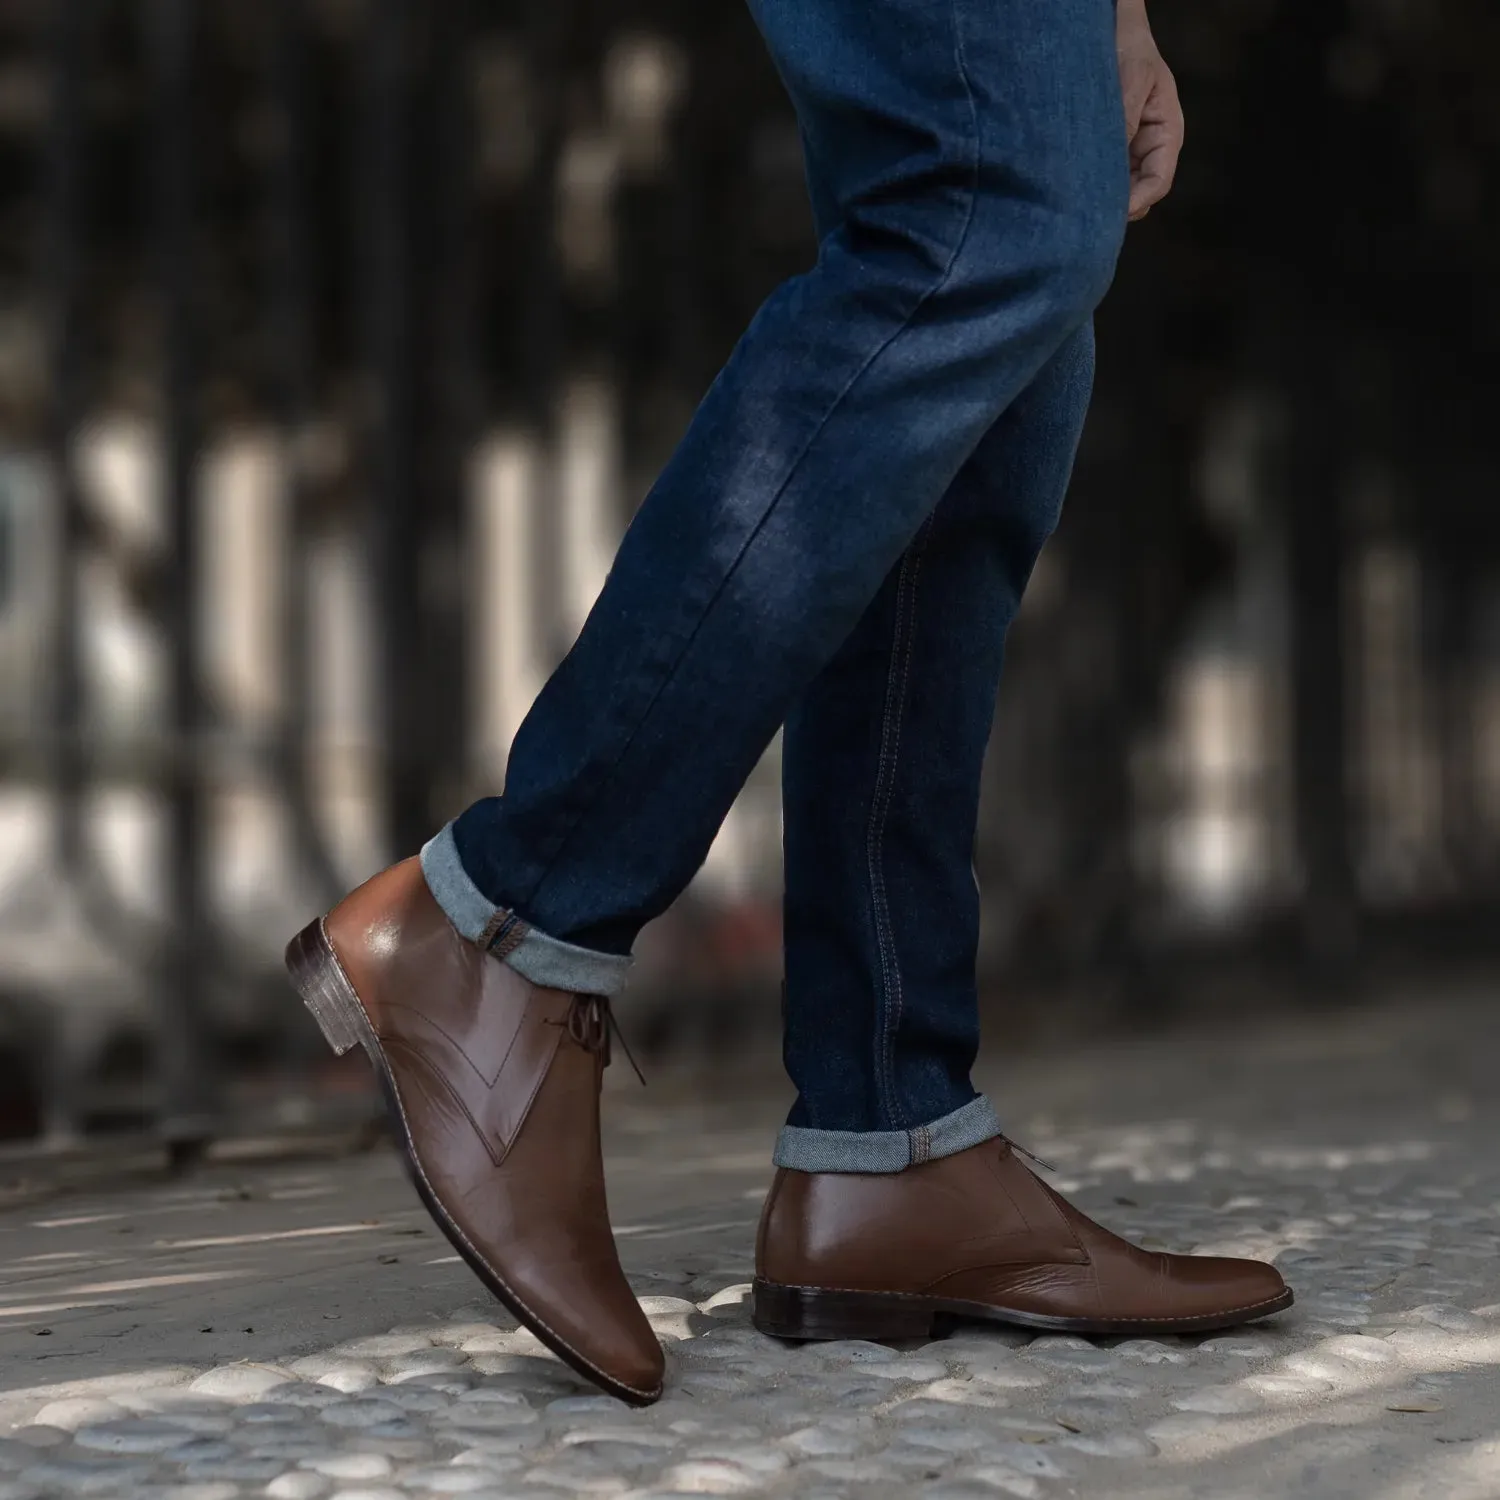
903	639
938	285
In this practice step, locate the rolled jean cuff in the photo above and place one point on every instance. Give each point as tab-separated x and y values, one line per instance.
805	1150
533	954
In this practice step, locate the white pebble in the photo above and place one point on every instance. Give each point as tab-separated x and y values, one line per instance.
79	1411
463	1480
240	1380
1222	1400
384	1346
298	1487
710	1477
1150	1352
350	1465
133	1435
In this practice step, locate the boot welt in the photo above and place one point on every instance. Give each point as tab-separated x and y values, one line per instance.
804	1312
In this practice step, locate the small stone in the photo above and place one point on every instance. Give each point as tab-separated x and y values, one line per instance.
579	1406
1003	1373
488	1459
366	1413
426	1362
943	1439
983	1489
1289	1385
820	1442
38	1435
83	1474
757	1457
133	1435
1068	1354
366	1492
383	1346
1029	1458
1237	1346
240	1380
507	1341
1172	1430
201	1450
845	1470
298	1487
1222	1400
982	1343
848	1351
350	1465
349	1376
1150	1352
1449	1319
710	1477
79	1411
917	1371
456	1335
243	1469
1110	1444
993	1477
465	1480
416	1398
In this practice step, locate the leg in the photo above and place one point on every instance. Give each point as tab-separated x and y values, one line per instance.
881	775
979	220
896	1208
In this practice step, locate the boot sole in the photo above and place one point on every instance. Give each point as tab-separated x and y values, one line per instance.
804	1312
319	978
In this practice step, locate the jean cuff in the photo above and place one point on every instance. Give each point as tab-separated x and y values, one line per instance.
805	1150
533	954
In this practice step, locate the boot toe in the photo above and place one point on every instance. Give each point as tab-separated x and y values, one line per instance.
1211	1286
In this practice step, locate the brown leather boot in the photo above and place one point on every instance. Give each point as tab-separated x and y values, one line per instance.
976	1235
493	1088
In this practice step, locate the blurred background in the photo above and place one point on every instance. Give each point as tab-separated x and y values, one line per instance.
339	339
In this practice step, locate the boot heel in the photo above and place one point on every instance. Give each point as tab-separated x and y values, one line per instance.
318	977
803	1312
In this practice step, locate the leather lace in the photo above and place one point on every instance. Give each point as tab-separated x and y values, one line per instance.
591	1023
1020	1150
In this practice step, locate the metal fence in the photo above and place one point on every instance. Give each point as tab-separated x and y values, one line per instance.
338	340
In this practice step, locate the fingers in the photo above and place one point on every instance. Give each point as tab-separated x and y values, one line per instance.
1137	83
1155	148
1153	168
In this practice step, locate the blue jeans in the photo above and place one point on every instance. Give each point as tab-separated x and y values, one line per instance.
839	545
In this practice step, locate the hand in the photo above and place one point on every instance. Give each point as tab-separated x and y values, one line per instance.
1153	114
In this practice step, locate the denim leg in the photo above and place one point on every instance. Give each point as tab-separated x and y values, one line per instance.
882	761
976	150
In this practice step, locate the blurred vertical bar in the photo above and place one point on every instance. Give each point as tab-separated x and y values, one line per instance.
394	533
541	301
1319	655
62	272
186	1051
451	418
289	274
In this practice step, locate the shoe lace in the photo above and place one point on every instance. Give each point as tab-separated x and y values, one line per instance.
1030	1156
591	1023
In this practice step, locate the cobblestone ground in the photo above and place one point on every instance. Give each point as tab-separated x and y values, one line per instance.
232	1336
